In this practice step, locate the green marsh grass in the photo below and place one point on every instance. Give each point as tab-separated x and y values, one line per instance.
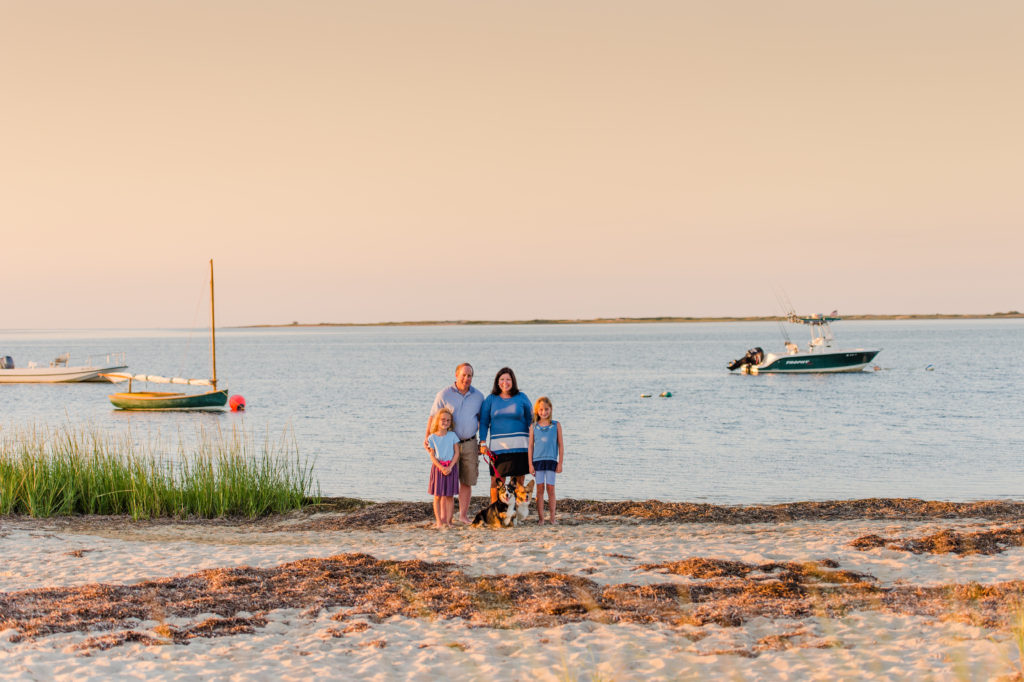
81	470
1017	629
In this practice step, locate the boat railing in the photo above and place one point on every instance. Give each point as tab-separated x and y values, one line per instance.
119	359
116	359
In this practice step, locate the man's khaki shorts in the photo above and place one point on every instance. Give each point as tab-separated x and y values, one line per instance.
469	462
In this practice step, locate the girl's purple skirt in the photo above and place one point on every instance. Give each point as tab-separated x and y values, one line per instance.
441	485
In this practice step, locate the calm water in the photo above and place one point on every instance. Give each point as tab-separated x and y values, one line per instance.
357	400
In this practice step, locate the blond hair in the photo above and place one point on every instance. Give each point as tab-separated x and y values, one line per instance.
543	399
437	420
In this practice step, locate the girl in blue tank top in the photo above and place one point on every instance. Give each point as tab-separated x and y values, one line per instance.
546	452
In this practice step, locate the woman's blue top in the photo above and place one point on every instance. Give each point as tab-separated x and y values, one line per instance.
508	420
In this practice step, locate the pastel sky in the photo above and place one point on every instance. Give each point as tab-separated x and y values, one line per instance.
458	159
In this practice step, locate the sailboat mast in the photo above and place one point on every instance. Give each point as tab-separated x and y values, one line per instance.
213	333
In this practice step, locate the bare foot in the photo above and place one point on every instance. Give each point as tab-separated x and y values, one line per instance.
553	522
540	522
465	521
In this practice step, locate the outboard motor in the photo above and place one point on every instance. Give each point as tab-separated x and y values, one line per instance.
753	357
6	362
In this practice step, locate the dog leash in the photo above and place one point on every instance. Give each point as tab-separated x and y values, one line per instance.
492	461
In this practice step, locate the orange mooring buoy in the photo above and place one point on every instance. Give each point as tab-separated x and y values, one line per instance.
237	403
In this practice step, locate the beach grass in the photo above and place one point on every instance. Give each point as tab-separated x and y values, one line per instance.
1017	628
60	471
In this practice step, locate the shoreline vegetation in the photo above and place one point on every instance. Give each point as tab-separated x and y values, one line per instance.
1011	314
69	470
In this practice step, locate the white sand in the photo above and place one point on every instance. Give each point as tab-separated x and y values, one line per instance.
865	645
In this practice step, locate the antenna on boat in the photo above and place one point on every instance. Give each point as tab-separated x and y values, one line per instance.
213	334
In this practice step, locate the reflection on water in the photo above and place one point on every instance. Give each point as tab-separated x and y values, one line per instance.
356	400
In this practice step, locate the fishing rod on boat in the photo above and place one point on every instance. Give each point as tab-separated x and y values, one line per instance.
782	305
782	330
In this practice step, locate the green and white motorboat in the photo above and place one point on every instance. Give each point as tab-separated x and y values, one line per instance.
820	356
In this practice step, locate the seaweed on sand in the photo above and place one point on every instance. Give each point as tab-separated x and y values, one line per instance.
346	513
873	508
728	594
373	515
949	541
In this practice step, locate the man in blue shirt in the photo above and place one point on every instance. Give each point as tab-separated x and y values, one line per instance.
464	401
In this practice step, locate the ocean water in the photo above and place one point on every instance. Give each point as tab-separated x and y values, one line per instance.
356	401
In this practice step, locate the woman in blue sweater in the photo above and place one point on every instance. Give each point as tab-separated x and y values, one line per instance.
505	417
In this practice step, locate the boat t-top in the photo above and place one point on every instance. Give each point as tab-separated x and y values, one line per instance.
819	357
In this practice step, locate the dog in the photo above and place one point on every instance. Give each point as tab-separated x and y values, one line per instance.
494	514
511	508
524	495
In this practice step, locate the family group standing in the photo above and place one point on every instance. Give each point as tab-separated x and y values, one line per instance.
522	438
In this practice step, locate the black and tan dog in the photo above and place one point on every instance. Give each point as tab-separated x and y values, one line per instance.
512	506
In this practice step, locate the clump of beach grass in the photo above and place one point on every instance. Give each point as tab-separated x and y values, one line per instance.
1017	628
59	471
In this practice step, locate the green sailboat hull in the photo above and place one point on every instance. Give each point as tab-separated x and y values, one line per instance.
214	400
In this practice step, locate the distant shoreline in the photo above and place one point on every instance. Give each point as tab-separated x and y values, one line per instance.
1013	314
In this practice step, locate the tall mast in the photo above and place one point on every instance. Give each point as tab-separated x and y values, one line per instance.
213	334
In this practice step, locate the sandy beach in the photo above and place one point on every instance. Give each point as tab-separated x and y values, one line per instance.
876	589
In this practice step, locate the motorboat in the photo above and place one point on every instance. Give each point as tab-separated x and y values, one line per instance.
821	355
60	370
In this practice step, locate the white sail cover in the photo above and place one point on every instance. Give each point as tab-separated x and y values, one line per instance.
118	377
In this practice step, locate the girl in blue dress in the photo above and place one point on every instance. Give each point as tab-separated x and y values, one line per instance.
547	450
444	467
505	419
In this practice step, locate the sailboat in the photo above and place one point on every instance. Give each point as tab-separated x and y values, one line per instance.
164	400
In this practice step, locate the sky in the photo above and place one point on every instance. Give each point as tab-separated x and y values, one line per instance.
401	160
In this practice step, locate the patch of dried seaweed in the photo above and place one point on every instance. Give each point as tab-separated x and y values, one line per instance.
168	634
374	515
104	642
79	553
818	572
728	594
349	513
371	516
873	508
655	511
778	642
949	541
734	591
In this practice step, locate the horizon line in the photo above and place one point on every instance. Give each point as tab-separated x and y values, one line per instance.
1012	314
